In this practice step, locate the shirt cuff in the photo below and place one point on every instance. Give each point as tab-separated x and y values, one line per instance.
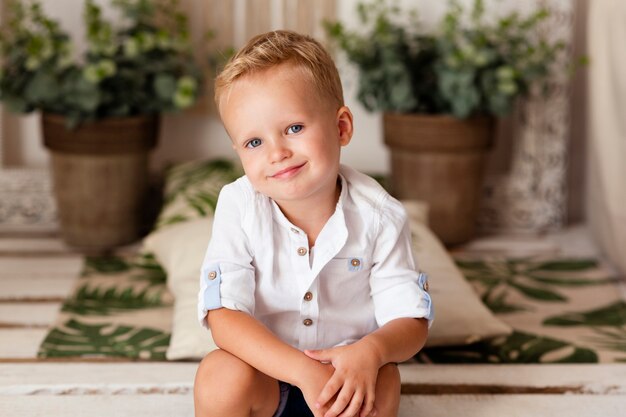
209	294
409	300
230	293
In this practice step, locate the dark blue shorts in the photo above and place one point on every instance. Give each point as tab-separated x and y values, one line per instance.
291	403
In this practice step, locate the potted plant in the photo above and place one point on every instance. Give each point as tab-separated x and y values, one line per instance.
440	93
100	113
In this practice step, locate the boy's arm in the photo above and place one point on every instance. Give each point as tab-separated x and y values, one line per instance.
356	365
246	338
398	340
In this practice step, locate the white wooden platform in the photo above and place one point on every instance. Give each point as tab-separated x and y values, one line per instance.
37	273
165	389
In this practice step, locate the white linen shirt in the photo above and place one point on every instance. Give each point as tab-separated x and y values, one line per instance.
362	274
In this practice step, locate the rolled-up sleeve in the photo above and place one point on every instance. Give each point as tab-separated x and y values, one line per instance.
227	275
398	289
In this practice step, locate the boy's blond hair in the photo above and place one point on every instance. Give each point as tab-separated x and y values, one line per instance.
278	47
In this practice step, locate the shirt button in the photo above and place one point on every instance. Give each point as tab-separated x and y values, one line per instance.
302	251
307	322
294	230
426	286
308	296
355	262
212	275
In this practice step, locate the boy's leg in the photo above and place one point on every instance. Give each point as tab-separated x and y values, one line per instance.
227	386
388	391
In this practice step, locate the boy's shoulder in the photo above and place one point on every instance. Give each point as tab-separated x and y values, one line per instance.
363	189
241	192
368	194
241	187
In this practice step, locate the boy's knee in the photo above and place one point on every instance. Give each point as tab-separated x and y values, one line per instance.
222	377
225	385
391	373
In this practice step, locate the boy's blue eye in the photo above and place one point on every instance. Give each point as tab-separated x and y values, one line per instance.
253	143
295	129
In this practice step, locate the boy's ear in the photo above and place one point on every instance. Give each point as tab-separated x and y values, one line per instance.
344	125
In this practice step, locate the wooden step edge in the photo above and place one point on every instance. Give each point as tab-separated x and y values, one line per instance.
490	389
7	325
57	377
187	387
12	299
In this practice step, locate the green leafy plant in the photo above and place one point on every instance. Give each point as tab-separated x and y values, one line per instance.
144	65
470	66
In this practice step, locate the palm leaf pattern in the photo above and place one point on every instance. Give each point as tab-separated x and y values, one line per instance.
76	338
534	278
97	319
181	177
192	189
518	347
513	285
611	338
106	301
608	323
611	315
104	265
148	270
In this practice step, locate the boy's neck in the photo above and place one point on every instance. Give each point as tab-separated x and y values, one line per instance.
311	216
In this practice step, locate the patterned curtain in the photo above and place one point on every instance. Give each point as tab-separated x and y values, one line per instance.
529	193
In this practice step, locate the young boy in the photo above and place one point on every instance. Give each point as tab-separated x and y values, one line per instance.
308	284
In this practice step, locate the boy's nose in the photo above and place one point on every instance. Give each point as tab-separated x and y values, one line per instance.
280	152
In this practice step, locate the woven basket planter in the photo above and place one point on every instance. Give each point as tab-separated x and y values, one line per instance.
100	176
440	160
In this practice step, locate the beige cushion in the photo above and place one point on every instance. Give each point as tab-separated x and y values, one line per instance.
179	249
460	316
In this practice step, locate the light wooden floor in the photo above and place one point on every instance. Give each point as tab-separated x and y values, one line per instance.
37	273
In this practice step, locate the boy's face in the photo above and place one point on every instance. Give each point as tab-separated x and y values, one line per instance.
287	137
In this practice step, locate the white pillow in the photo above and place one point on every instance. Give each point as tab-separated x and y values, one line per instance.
460	316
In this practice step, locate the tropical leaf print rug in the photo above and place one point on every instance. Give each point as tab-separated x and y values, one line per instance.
120	308
562	310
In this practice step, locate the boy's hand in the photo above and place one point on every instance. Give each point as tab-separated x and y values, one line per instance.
353	383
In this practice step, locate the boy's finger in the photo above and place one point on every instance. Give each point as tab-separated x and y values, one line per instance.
354	406
368	409
328	392
321	355
340	404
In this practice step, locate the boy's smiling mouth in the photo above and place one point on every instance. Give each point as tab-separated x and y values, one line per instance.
288	172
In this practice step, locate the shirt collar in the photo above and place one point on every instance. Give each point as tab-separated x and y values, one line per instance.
284	222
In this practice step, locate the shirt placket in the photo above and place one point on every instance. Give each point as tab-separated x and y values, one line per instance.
309	307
